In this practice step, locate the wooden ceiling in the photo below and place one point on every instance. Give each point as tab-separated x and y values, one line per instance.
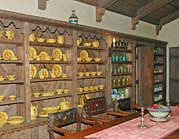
157	12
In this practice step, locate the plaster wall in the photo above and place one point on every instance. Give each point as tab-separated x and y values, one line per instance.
61	10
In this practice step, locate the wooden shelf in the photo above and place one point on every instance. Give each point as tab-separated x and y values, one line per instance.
11	42
51	79
90	92
158	73
45	44
93	62
160	55
158	64
90	77
160	82
12	82
122	74
9	102
50	62
157	92
123	86
120	50
11	62
50	97
90	48
122	62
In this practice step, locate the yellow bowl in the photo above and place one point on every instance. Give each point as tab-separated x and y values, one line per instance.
11	77
96	87
36	94
14	58
80	89
51	40
2	78
59	91
2	98
86	88
81	74
89	59
93	73
87	44
66	91
78	59
40	39
101	87
12	97
97	59
87	73
99	73
15	120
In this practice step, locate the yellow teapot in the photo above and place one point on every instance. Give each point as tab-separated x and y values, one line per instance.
33	112
64	105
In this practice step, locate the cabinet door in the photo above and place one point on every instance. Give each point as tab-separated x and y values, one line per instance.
144	75
174	75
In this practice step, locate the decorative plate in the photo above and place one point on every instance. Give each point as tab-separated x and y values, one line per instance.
57	70
32	71
57	54
43	73
32	53
43	56
7	54
84	55
3	116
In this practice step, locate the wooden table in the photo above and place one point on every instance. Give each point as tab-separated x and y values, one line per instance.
82	134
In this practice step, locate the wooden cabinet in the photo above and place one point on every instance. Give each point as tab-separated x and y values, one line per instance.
159	87
151	73
91	66
122	54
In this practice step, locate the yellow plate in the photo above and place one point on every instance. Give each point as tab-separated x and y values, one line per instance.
57	54
32	71
43	55
43	114
7	54
84	55
32	53
3	116
43	73
15	120
57	70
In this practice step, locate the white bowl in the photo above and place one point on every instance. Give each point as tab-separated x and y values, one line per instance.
159	113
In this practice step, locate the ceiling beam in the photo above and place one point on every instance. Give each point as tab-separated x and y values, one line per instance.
42	4
148	9
106	3
165	20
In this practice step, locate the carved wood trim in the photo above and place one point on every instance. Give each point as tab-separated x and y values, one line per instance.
99	13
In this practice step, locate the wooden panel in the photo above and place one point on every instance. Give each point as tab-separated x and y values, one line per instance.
145	59
174	75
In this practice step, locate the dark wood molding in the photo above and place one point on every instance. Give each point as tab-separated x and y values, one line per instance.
42	4
166	20
99	13
148	9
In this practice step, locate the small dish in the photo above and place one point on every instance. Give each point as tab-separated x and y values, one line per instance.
101	87
2	78
14	58
78	59
2	98
99	73
87	73
87	44
86	88
36	94
97	59
93	73
81	74
66	91
80	89
11	77
12	97
59	91
51	40
40	39
15	120
89	59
